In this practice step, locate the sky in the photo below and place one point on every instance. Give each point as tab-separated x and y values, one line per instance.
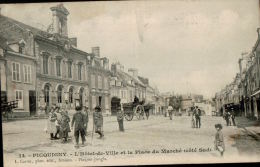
182	46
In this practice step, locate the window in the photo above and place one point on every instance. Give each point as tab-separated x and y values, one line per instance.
16	72
99	82
19	97
21	49
45	64
58	62
47	94
27	73
81	97
59	94
70	69
71	95
93	81
79	72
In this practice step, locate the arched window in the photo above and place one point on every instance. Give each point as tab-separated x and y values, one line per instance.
81	96
47	94
59	94
71	95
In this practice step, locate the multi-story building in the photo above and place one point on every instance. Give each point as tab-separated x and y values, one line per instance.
99	75
59	73
18	76
243	94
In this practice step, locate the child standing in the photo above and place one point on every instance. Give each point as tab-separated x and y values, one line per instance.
219	139
98	121
65	127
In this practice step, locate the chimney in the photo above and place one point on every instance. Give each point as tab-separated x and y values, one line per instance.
133	72
113	68
73	41
95	51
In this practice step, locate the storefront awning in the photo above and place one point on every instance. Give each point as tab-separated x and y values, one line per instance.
257	92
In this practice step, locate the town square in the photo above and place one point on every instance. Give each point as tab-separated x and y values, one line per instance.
130	82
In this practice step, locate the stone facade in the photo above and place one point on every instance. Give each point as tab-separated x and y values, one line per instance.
60	73
243	94
18	73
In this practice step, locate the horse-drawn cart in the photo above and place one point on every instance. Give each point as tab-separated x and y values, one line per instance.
7	108
131	110
136	109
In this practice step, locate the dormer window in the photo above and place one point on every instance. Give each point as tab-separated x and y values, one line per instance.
21	47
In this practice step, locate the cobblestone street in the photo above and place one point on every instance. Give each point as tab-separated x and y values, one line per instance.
157	133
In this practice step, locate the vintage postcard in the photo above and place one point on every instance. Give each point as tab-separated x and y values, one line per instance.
130	82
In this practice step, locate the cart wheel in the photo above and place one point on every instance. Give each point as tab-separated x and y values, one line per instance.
139	110
129	116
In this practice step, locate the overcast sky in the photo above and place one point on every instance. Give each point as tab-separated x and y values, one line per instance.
182	46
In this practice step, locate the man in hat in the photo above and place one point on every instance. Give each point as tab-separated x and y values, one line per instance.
197	114
98	121
170	111
120	119
78	119
232	115
227	118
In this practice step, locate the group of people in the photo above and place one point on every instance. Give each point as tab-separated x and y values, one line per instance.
230	117
58	123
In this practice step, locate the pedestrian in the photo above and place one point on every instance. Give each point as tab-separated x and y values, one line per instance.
192	121
86	119
170	111
232	115
57	123
64	126
197	114
98	121
120	119
51	127
219	139
227	118
78	119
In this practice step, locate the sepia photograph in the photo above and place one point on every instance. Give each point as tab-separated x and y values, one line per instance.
138	82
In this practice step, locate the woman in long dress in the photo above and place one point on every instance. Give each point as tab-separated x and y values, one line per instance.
51	126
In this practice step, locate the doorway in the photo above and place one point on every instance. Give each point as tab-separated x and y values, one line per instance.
32	102
99	100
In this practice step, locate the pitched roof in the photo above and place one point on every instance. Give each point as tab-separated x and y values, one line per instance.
14	30
3	44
